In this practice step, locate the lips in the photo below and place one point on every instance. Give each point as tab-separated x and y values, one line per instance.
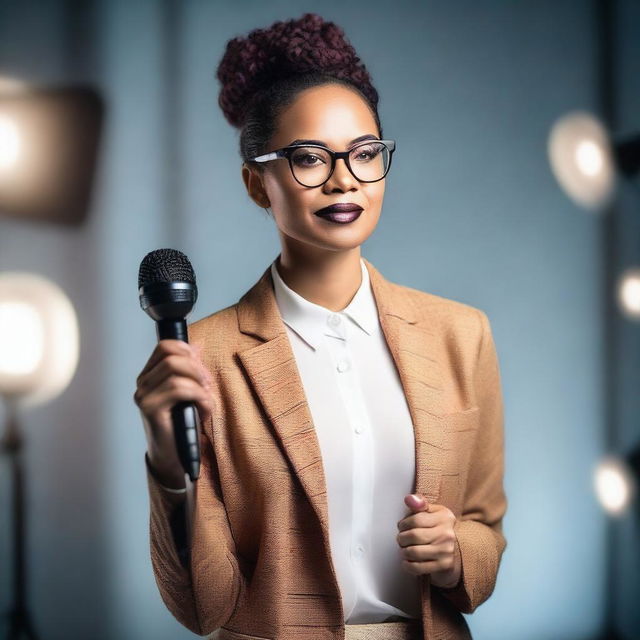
341	207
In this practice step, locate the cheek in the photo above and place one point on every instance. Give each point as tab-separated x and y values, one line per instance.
286	194
378	192
375	196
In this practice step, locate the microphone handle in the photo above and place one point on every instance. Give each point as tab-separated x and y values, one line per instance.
184	414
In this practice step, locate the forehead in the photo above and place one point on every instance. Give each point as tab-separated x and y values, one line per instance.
331	113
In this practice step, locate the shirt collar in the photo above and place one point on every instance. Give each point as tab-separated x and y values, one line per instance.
312	321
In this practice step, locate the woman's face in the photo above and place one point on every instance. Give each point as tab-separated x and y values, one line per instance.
335	115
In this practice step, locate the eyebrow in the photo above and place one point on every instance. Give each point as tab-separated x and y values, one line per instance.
367	136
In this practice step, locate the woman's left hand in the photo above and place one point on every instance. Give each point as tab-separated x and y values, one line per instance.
428	542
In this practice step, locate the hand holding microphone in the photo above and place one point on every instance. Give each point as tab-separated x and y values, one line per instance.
171	384
174	373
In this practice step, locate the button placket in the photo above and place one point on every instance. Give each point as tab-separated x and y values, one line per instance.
352	394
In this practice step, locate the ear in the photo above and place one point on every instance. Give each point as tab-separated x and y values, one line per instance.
255	186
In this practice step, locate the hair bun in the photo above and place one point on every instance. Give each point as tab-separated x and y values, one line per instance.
309	43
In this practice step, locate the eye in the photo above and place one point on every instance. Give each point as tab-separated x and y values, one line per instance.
367	153
305	160
308	157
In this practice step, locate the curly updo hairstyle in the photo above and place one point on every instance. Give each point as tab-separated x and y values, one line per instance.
261	74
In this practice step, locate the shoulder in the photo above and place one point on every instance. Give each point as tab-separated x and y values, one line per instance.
219	319
463	332
223	319
447	314
461	329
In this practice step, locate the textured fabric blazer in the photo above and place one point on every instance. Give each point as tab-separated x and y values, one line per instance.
260	564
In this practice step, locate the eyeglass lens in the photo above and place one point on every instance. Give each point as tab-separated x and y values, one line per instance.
369	162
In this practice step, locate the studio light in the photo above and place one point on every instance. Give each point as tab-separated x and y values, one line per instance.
9	143
586	161
39	339
39	348
629	293
48	151
615	485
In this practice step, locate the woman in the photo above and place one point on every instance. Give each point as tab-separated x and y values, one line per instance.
329	395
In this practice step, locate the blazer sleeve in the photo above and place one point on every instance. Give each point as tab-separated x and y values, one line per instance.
480	541
201	598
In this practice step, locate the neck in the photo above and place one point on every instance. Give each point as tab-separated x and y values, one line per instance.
330	281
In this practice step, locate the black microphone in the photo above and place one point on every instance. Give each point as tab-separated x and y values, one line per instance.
168	291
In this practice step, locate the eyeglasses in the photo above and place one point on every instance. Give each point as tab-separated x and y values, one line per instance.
312	165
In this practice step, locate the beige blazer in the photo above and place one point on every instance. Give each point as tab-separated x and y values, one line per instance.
260	563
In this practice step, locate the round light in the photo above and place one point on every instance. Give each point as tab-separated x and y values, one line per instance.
39	338
9	142
629	293
21	338
589	158
581	159
614	485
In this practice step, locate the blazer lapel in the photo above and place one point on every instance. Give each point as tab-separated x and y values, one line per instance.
273	373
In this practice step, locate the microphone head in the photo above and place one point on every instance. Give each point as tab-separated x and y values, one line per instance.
167	285
165	265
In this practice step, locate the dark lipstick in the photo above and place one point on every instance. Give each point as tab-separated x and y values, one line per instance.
340	212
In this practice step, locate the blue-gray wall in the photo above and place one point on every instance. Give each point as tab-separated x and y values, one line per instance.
626	404
469	90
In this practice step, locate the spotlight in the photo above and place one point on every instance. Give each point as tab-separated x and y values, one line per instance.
629	293
584	159
615	484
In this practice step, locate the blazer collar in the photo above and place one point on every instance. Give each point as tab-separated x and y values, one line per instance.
410	329
258	312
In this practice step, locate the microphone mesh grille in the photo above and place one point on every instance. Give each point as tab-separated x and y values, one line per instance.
165	265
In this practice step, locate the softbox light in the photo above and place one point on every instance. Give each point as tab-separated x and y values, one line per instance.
49	140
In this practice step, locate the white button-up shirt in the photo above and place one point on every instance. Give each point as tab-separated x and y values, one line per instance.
367	441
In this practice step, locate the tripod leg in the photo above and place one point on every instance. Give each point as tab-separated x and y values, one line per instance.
20	625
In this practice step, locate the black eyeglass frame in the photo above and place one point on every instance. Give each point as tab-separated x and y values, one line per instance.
286	152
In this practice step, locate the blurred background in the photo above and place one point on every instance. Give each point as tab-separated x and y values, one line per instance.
475	210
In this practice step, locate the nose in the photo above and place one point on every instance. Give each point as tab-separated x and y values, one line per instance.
341	178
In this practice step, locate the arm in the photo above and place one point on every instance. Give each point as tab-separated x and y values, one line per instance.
480	542
173	503
202	600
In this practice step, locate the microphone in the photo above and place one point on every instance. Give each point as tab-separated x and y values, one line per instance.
168	291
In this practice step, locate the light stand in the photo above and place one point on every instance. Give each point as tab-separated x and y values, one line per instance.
39	350
20	625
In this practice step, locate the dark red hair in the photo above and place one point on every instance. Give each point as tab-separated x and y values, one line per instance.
263	72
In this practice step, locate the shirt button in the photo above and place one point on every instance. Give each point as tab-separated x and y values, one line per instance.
343	365
359	428
360	550
334	320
